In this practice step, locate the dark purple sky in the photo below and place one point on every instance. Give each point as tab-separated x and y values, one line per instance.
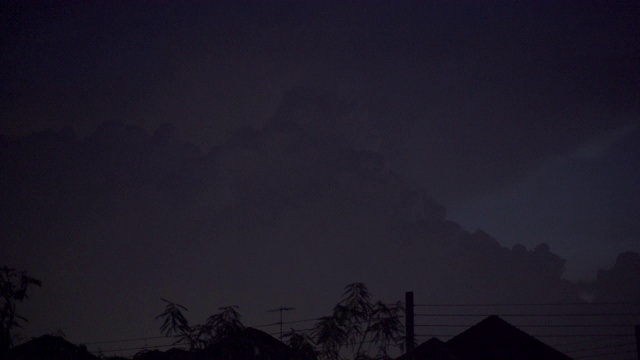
311	143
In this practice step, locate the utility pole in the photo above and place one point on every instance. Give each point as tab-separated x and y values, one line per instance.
408	322
638	340
280	310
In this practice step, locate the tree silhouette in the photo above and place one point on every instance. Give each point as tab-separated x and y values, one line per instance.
330	335
226	336
357	325
224	325
177	325
223	330
174	321
357	329
302	346
386	328
13	290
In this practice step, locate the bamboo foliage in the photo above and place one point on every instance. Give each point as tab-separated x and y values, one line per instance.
174	321
13	290
357	327
222	326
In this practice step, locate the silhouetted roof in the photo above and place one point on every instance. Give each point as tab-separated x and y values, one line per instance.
490	339
178	354
251	344
433	349
171	354
248	344
48	347
496	339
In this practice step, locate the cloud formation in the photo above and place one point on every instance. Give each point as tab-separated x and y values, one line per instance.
286	214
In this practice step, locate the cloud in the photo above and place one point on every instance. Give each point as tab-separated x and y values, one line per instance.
285	214
458	104
617	283
599	147
582	204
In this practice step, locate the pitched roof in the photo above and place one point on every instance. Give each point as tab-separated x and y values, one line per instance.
250	344
496	339
51	348
432	349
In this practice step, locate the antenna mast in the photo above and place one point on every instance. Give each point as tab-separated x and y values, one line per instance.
280	310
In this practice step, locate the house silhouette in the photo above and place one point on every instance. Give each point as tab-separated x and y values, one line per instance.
490	339
51	348
432	349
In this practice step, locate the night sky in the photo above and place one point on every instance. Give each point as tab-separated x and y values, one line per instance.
266	154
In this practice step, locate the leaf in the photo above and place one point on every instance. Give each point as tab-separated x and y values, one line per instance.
174	320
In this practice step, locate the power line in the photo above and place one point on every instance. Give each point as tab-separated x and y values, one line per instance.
265	325
590	341
546	336
595	337
532	315
604	354
280	310
525	304
417	325
600	347
296	330
301	321
125	340
529	326
140	348
583	335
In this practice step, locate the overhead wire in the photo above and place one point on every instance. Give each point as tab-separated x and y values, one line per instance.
139	348
591	356
526	304
596	337
530	315
600	348
125	340
549	336
533	326
590	341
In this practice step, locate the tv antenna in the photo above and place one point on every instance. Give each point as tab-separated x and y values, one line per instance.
280	310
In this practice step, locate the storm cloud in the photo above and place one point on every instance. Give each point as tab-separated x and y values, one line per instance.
266	154
285	214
